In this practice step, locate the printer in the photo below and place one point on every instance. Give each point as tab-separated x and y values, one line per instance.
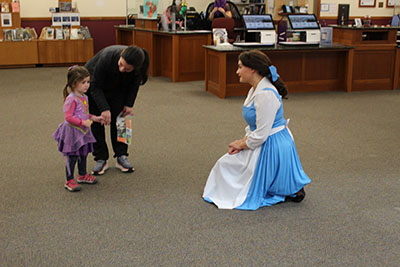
304	30
260	30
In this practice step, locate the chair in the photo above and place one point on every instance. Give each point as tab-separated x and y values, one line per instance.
234	10
228	24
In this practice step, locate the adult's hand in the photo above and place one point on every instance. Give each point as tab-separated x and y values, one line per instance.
127	111
106	117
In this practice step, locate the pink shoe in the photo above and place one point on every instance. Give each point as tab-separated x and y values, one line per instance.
72	186
87	179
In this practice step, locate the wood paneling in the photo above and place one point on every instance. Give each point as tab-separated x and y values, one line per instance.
180	57
19	53
375	59
301	70
65	51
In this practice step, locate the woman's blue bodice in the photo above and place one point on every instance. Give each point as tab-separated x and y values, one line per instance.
249	114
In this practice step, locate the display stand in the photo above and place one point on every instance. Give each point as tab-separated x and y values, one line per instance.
16	53
65	51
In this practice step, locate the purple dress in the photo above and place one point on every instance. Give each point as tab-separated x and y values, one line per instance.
75	140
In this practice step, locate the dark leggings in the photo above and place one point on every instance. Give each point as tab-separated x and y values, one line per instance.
70	166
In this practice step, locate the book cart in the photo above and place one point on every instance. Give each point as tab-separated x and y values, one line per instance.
15	53
65	50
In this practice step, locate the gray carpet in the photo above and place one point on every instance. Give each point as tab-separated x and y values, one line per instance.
348	144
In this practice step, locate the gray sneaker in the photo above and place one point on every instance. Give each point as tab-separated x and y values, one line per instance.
100	167
123	164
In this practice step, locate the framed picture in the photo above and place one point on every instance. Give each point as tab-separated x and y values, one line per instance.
390	3
357	22
366	3
6	20
75	19
57	19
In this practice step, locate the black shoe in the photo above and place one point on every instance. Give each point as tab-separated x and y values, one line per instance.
299	196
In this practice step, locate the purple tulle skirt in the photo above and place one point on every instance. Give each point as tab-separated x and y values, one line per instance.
73	141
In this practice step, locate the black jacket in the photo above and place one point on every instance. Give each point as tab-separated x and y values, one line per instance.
107	82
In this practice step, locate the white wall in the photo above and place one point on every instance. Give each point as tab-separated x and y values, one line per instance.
97	8
356	11
87	8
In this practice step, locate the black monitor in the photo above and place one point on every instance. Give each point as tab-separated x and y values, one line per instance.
303	21
258	22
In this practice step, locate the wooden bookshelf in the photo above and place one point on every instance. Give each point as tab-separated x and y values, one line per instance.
16	53
16	19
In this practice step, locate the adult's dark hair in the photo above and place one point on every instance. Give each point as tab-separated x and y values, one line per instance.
139	59
260	62
75	74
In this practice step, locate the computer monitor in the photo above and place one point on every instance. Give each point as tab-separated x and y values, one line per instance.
256	23
303	21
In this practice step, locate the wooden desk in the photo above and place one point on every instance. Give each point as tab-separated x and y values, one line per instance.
178	55
303	69
376	59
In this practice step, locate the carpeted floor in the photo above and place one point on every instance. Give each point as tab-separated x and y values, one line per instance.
348	144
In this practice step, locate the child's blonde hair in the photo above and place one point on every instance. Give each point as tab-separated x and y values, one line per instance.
75	74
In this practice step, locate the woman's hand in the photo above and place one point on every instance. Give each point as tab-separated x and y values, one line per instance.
237	146
87	123
127	111
220	9
98	119
106	115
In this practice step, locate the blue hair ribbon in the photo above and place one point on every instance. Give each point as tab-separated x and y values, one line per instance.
274	74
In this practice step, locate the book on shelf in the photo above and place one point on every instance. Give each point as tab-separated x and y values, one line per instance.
5	7
59	33
26	35
85	32
18	34
33	33
65	6
15	6
66	32
7	35
76	34
48	33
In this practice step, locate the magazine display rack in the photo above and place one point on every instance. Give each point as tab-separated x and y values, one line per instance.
15	53
64	50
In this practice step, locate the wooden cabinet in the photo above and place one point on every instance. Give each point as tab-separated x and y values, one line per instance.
375	59
65	51
307	69
21	53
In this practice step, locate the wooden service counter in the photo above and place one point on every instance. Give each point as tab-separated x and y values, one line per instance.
178	55
302	68
376	57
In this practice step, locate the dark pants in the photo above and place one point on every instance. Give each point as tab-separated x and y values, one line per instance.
100	152
71	161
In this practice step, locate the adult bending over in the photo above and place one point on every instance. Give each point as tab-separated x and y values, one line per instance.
116	73
263	168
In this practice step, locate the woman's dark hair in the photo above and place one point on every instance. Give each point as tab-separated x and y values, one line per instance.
75	74
260	62
139	59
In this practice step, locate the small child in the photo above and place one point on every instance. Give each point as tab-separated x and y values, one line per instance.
75	140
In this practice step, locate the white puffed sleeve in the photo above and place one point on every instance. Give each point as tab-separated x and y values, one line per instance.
266	105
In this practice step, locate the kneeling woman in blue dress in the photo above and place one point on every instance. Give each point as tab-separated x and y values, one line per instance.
263	168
